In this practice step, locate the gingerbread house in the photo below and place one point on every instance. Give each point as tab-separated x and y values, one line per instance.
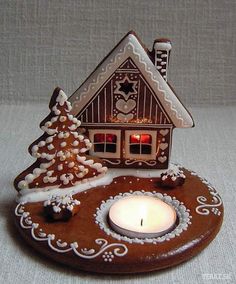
128	109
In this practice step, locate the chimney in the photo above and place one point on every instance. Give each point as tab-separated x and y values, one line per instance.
161	53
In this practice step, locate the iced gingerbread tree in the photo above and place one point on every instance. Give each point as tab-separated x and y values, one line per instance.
60	151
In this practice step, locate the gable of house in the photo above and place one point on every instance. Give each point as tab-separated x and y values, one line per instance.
125	97
130	47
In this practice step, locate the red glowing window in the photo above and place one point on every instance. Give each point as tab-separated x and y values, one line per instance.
140	144
141	138
105	142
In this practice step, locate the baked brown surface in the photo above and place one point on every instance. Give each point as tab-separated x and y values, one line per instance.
140	257
60	151
127	107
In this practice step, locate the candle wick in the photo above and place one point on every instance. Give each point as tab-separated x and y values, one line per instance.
141	222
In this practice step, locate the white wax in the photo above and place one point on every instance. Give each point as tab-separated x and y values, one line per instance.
142	216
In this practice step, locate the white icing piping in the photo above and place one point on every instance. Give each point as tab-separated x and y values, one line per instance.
170	102
205	205
182	212
162	46
62	98
113	162
173	173
36	173
59	203
140	162
108	251
42	194
67	178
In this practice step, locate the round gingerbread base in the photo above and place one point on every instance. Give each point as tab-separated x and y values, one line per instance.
88	243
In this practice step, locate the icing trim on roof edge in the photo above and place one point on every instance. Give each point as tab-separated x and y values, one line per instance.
130	46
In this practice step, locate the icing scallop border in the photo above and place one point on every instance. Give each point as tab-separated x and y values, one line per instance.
181	210
106	250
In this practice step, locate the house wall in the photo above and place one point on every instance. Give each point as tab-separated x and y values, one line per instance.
126	105
161	148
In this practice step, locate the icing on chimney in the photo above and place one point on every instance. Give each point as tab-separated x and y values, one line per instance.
161	53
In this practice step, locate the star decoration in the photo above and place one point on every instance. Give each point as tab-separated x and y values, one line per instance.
126	87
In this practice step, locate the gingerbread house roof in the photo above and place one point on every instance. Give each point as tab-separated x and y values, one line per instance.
131	47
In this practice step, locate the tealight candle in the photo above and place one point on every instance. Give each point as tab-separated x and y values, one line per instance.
142	216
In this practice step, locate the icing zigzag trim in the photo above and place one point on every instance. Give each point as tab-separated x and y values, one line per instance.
89	86
162	91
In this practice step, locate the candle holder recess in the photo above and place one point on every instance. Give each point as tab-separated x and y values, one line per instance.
141	217
102	195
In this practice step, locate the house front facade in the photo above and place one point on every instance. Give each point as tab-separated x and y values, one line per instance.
127	108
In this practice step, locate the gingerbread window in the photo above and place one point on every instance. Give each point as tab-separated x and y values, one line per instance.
106	143
140	144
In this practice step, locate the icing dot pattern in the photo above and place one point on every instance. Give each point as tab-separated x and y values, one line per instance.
60	151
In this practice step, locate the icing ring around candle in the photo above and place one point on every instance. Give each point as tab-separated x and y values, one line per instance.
142	217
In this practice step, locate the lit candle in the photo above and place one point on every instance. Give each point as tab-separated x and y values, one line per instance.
142	217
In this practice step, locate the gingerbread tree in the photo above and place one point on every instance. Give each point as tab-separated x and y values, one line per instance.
60	151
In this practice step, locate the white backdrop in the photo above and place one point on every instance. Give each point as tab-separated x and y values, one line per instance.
59	42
